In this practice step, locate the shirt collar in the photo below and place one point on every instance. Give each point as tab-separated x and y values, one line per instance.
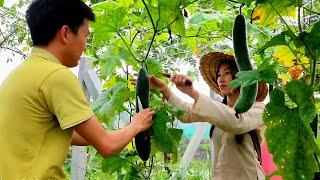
44	54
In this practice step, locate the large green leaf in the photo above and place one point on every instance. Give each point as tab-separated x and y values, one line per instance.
274	41
176	135
199	18
178	27
248	2
266	73
110	17
164	12
160	136
110	102
158	104
132	174
154	67
266	11
301	94
165	139
114	164
1	3
276	108
314	36
294	156
245	78
220	4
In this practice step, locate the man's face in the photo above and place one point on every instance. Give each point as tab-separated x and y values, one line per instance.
78	44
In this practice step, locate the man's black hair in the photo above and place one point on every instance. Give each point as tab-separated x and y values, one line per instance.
46	17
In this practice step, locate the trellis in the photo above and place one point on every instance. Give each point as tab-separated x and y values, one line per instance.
92	87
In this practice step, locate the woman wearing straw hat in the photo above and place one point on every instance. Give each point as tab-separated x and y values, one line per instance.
236	153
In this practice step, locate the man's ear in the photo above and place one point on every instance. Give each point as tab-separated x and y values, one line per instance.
64	34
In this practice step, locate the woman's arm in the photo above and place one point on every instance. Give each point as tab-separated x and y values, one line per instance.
204	109
207	110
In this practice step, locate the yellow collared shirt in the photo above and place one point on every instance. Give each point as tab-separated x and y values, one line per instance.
39	101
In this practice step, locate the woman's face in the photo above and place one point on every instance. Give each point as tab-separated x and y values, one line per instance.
224	77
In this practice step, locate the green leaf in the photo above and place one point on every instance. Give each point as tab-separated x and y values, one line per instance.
268	72
110	102
314	36
126	3
176	135
274	41
245	78
160	136
154	67
248	2
164	12
133	173
165	139
301	94
1	3
110	17
178	26
276	108
220	4
268	15
111	60
294	156
158	104
114	164
199	18
109	67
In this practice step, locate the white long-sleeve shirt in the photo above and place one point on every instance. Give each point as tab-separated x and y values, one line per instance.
230	160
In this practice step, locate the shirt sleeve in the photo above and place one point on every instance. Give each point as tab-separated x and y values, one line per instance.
65	98
220	115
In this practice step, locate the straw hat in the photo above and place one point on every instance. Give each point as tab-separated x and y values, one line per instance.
208	69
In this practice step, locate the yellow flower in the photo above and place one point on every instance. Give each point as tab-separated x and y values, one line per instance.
296	71
285	78
304	59
284	55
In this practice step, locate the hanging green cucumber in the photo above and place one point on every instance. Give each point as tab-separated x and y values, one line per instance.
142	140
247	94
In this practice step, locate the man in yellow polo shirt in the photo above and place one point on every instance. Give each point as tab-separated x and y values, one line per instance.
42	106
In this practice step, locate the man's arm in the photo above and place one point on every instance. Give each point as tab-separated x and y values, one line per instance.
109	143
77	140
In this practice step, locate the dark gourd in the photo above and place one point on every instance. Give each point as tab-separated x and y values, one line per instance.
142	140
247	94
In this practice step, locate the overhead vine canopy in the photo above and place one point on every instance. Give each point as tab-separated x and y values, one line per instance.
284	43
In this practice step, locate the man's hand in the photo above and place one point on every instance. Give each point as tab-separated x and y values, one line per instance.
142	120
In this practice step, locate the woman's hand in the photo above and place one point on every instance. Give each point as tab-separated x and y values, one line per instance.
180	81
156	84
